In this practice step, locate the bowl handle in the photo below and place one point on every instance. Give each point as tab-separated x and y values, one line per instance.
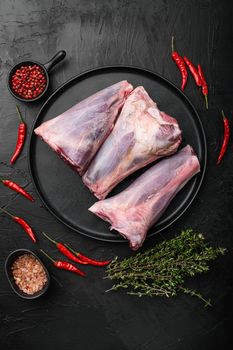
60	55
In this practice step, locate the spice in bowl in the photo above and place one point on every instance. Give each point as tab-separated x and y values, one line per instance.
28	81
29	274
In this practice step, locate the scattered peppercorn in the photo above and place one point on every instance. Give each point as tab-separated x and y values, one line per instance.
28	81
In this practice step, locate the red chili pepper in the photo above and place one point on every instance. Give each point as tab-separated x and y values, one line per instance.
22	223
180	64
204	86
88	260
64	265
65	251
193	71
15	187
22	129
226	136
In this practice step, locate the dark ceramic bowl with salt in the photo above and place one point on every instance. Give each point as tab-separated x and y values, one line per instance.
12	257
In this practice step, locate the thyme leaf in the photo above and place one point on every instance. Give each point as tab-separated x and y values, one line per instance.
163	269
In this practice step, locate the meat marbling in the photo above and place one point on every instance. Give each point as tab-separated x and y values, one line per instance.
141	135
77	134
133	211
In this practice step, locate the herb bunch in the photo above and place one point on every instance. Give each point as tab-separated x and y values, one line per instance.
162	270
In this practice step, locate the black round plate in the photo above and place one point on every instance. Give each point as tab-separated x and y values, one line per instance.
61	189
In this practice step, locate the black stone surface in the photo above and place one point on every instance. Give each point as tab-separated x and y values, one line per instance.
77	313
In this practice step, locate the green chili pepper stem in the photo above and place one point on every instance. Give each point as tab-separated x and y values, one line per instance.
72	250
50	239
206	101
7	212
223	114
49	257
173	45
20	115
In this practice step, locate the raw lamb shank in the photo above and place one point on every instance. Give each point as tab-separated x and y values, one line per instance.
77	134
133	211
141	135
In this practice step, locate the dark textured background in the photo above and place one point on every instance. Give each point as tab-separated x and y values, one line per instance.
76	313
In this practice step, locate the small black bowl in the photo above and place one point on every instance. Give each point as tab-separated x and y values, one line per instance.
8	264
60	55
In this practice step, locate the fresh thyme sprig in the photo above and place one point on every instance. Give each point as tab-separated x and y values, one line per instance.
162	270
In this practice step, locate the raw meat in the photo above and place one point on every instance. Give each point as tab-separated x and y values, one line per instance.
141	135
77	134
133	211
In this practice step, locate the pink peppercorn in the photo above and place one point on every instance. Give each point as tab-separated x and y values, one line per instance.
28	81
